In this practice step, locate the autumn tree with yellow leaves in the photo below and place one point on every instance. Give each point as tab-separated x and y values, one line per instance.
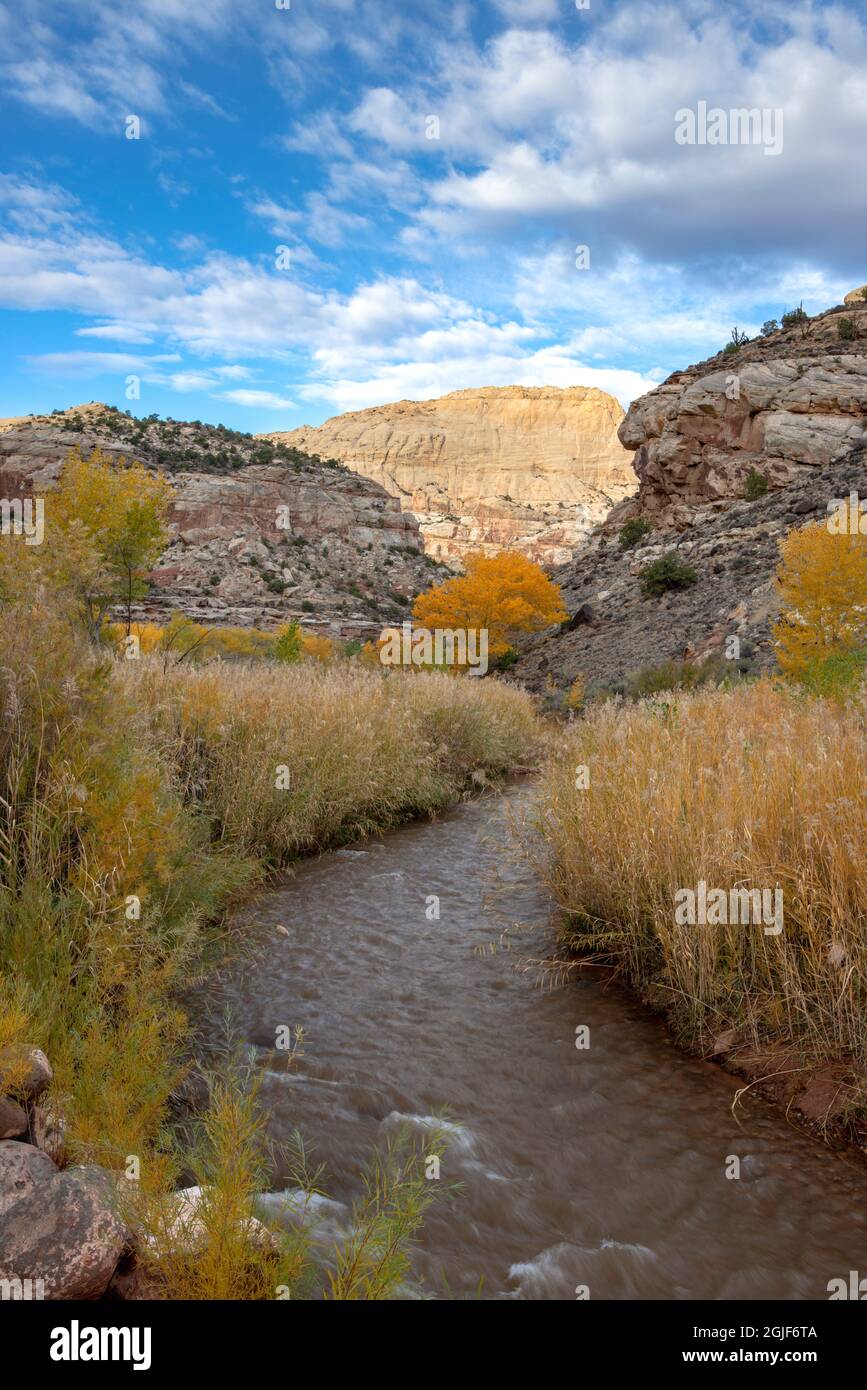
822	579
505	594
106	527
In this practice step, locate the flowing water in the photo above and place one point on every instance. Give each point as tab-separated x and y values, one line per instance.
603	1167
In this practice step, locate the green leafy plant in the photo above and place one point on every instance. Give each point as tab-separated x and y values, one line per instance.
633	532
667	573
679	675
756	485
794	316
287	647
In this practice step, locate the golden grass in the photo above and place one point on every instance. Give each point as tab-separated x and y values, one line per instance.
138	798
353	750
757	787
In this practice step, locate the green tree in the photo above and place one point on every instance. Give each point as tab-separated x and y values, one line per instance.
287	647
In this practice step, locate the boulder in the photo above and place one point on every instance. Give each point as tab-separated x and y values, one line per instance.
584	615
48	1133
24	1071
785	406
57	1227
185	1230
13	1118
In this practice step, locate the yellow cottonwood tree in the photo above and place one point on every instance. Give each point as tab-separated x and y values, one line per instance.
506	594
111	515
822	578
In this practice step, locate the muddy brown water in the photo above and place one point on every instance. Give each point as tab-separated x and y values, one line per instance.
603	1167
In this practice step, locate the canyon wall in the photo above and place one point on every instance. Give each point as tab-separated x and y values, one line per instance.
490	468
790	406
780	405
259	535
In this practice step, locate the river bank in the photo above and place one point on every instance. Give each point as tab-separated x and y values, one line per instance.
662	820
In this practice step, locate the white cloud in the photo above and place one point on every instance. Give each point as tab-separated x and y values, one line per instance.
259	399
421	380
84	364
529	11
116	332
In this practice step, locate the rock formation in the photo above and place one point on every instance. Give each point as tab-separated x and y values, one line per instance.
790	406
614	631
261	534
529	468
787	403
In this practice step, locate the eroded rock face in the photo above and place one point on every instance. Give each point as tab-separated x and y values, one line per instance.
253	543
57	1229
614	631
783	405
528	468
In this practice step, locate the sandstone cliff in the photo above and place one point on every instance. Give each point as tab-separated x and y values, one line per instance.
261	534
781	405
791	406
530	468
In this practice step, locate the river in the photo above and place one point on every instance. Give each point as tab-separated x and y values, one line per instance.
602	1167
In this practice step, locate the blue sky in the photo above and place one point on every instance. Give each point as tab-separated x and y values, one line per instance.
429	170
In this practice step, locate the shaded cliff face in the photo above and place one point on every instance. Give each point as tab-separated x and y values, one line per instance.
784	405
614	631
260	534
791	406
513	467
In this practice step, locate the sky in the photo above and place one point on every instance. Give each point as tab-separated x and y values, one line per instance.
265	212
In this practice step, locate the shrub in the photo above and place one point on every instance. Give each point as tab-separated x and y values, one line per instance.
577	693
756	485
846	329
794	316
837	675
667	573
287	646
768	327
679	675
633	532
738	340
507	659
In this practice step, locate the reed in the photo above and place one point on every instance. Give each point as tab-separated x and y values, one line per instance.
760	787
139	799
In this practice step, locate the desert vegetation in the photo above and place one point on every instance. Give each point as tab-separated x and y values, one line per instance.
757	786
141	797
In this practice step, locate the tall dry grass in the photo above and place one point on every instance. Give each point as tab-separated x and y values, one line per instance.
136	800
352	750
757	787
